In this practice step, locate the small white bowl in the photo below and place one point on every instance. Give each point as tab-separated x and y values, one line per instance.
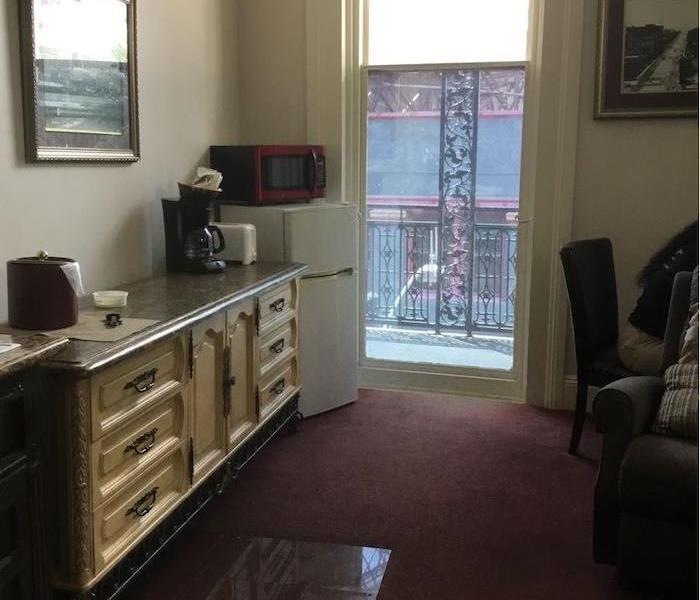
109	298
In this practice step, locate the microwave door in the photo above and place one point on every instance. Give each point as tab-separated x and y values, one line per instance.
283	172
284	177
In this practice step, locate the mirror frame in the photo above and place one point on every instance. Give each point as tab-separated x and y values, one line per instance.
36	153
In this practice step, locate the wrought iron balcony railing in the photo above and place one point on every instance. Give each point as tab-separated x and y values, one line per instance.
404	279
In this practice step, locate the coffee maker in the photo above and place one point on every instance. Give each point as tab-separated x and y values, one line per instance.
190	240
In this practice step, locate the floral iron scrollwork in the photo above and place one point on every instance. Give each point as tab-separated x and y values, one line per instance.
458	138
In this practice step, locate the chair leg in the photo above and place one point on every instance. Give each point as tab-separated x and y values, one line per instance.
579	414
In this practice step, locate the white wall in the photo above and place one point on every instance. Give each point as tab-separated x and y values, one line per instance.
108	217
636	180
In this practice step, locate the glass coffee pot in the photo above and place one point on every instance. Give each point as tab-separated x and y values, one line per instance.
201	245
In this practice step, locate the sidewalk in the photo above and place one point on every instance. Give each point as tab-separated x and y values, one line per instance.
481	351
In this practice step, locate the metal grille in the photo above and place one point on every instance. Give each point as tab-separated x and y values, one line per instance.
458	136
403	272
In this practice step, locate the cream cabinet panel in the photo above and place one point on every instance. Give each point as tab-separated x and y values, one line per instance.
276	347
207	395
277	389
121	522
241	351
125	390
119	457
277	306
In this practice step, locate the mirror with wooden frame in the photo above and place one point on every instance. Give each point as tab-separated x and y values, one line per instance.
79	80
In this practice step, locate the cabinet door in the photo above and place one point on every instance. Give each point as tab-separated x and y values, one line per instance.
15	538
208	341
241	340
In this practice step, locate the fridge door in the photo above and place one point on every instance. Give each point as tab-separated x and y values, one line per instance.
324	236
328	361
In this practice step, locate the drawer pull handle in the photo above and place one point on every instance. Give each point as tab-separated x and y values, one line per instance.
143	382
277	305
143	443
277	347
278	388
144	505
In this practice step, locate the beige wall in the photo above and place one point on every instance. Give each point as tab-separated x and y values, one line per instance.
108	217
290	73
636	180
272	70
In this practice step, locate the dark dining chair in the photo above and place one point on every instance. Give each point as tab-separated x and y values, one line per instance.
589	271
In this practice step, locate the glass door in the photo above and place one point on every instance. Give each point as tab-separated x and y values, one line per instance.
443	172
443	144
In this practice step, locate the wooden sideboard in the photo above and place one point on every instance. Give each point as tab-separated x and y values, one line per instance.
138	440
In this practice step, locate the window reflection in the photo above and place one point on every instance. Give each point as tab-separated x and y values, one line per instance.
273	569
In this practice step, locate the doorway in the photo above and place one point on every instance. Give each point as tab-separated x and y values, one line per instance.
442	201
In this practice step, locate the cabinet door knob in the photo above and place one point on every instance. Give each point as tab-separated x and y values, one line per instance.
143	443
143	382
277	347
145	504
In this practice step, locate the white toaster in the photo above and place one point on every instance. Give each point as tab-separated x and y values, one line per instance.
240	243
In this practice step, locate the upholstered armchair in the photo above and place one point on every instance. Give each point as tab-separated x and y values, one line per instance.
646	494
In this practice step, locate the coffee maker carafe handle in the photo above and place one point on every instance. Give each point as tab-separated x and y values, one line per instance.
221	244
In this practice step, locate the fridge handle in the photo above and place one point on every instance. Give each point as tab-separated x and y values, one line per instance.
347	272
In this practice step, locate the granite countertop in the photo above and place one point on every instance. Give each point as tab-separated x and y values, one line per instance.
176	301
32	349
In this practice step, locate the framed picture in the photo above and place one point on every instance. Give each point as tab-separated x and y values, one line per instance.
647	59
79	80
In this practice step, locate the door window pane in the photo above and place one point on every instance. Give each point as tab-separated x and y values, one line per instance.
443	173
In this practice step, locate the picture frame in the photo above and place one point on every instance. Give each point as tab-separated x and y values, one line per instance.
647	62
79	80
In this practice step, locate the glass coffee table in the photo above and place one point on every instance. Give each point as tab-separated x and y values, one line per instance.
221	567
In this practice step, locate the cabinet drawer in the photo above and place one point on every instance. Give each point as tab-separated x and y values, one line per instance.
128	388
121	522
121	456
277	388
277	305
277	347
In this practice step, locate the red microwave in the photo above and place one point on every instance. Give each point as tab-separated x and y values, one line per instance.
270	174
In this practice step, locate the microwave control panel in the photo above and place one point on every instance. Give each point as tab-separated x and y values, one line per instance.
321	175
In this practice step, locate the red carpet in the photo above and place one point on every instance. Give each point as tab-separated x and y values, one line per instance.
477	499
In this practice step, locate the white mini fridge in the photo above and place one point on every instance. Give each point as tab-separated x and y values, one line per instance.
325	237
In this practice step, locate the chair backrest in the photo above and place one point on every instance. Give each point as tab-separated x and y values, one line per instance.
589	270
